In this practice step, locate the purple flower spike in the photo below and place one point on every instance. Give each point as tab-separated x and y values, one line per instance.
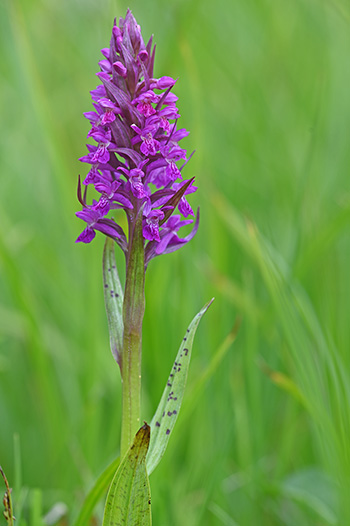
136	162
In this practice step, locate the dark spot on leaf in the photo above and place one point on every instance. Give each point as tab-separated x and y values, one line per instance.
106	285
188	330
169	413
174	412
149	502
185	338
168	432
186	352
170	397
169	384
157	424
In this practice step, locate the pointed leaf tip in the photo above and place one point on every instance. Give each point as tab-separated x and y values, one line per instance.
206	307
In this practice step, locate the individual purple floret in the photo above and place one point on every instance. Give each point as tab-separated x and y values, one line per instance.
136	163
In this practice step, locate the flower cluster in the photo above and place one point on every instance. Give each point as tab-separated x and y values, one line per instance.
135	163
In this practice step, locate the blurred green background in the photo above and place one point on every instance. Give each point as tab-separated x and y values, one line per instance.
263	438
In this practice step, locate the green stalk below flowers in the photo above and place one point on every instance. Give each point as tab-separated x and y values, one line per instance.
133	312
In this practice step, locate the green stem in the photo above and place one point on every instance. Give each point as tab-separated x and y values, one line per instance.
133	311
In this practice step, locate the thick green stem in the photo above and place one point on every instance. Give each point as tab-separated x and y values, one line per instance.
133	311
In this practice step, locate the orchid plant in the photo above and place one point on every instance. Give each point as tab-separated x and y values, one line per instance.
136	165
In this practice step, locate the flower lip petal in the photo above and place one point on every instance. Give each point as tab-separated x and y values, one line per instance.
86	236
107	103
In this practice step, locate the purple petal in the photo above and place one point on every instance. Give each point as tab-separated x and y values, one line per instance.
86	236
105	52
105	65
185	208
165	240
107	228
151	231
163	82
120	69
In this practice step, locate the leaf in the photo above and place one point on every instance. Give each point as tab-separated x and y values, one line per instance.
169	406
113	293
96	493
129	498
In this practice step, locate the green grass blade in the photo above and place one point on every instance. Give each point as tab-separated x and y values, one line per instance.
129	497
314	489
222	515
113	294
96	493
283	382
36	498
321	373
169	406
17	464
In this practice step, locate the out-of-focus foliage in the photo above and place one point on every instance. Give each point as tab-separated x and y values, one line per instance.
263	87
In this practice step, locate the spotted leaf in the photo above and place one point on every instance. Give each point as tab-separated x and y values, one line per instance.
169	406
113	293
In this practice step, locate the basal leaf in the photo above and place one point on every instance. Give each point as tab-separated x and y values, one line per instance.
95	494
113	293
168	409
129	497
